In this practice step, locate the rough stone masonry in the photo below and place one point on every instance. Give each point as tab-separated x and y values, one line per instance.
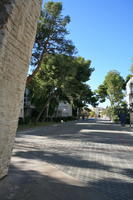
18	22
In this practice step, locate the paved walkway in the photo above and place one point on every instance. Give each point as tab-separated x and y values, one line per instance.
84	160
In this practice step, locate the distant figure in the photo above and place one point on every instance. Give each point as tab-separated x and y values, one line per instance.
83	117
122	118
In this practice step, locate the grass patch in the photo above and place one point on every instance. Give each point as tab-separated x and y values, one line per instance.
35	125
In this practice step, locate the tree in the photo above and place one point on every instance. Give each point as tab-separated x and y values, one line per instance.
60	79
76	87
49	83
101	93
114	112
128	77
112	88
51	35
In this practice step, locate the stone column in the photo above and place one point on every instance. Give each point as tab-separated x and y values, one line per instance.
18	21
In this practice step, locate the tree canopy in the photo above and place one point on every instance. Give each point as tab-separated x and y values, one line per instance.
112	88
51	35
58	74
62	78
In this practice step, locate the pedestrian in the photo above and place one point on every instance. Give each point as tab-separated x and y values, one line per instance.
122	118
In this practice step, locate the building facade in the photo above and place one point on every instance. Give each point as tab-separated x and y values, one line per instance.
64	109
129	92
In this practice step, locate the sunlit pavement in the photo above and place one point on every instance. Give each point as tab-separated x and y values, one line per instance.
97	155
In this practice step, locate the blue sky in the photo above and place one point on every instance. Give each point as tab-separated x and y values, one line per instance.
102	31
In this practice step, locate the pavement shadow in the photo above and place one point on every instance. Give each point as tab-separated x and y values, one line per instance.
62	159
128	172
66	160
114	189
96	136
107	138
32	185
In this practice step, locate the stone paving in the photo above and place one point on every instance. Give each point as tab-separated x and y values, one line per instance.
98	154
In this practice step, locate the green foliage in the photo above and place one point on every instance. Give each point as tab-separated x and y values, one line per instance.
92	114
128	77
51	33
58	75
114	84
113	112
101	93
112	88
60	79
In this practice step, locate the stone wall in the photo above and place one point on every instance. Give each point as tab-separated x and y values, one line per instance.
18	20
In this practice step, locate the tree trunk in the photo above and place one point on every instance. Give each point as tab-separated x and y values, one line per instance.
18	22
30	77
47	111
44	107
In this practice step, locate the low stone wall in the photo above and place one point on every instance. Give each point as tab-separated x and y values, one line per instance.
18	20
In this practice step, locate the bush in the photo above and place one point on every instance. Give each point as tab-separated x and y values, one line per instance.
27	120
116	118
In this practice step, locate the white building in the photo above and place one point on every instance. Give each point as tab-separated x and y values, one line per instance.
64	109
129	92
